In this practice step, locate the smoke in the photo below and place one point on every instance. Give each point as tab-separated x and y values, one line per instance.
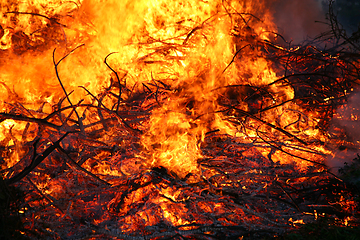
346	126
298	20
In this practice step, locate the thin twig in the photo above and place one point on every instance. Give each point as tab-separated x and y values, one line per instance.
117	78
51	19
56	65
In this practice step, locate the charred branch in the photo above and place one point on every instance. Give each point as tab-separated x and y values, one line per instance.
37	159
56	64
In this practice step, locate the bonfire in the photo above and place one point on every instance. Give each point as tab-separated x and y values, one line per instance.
171	119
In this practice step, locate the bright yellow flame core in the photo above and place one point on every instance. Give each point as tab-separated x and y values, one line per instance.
203	36
173	141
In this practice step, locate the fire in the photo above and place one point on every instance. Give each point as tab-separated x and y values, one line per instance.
190	56
187	51
150	113
206	69
178	149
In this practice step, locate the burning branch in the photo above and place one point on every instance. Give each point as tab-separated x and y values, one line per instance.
5	116
37	159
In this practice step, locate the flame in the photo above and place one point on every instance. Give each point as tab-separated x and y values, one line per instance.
179	126
194	52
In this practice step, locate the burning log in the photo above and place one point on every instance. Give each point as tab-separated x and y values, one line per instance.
211	128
